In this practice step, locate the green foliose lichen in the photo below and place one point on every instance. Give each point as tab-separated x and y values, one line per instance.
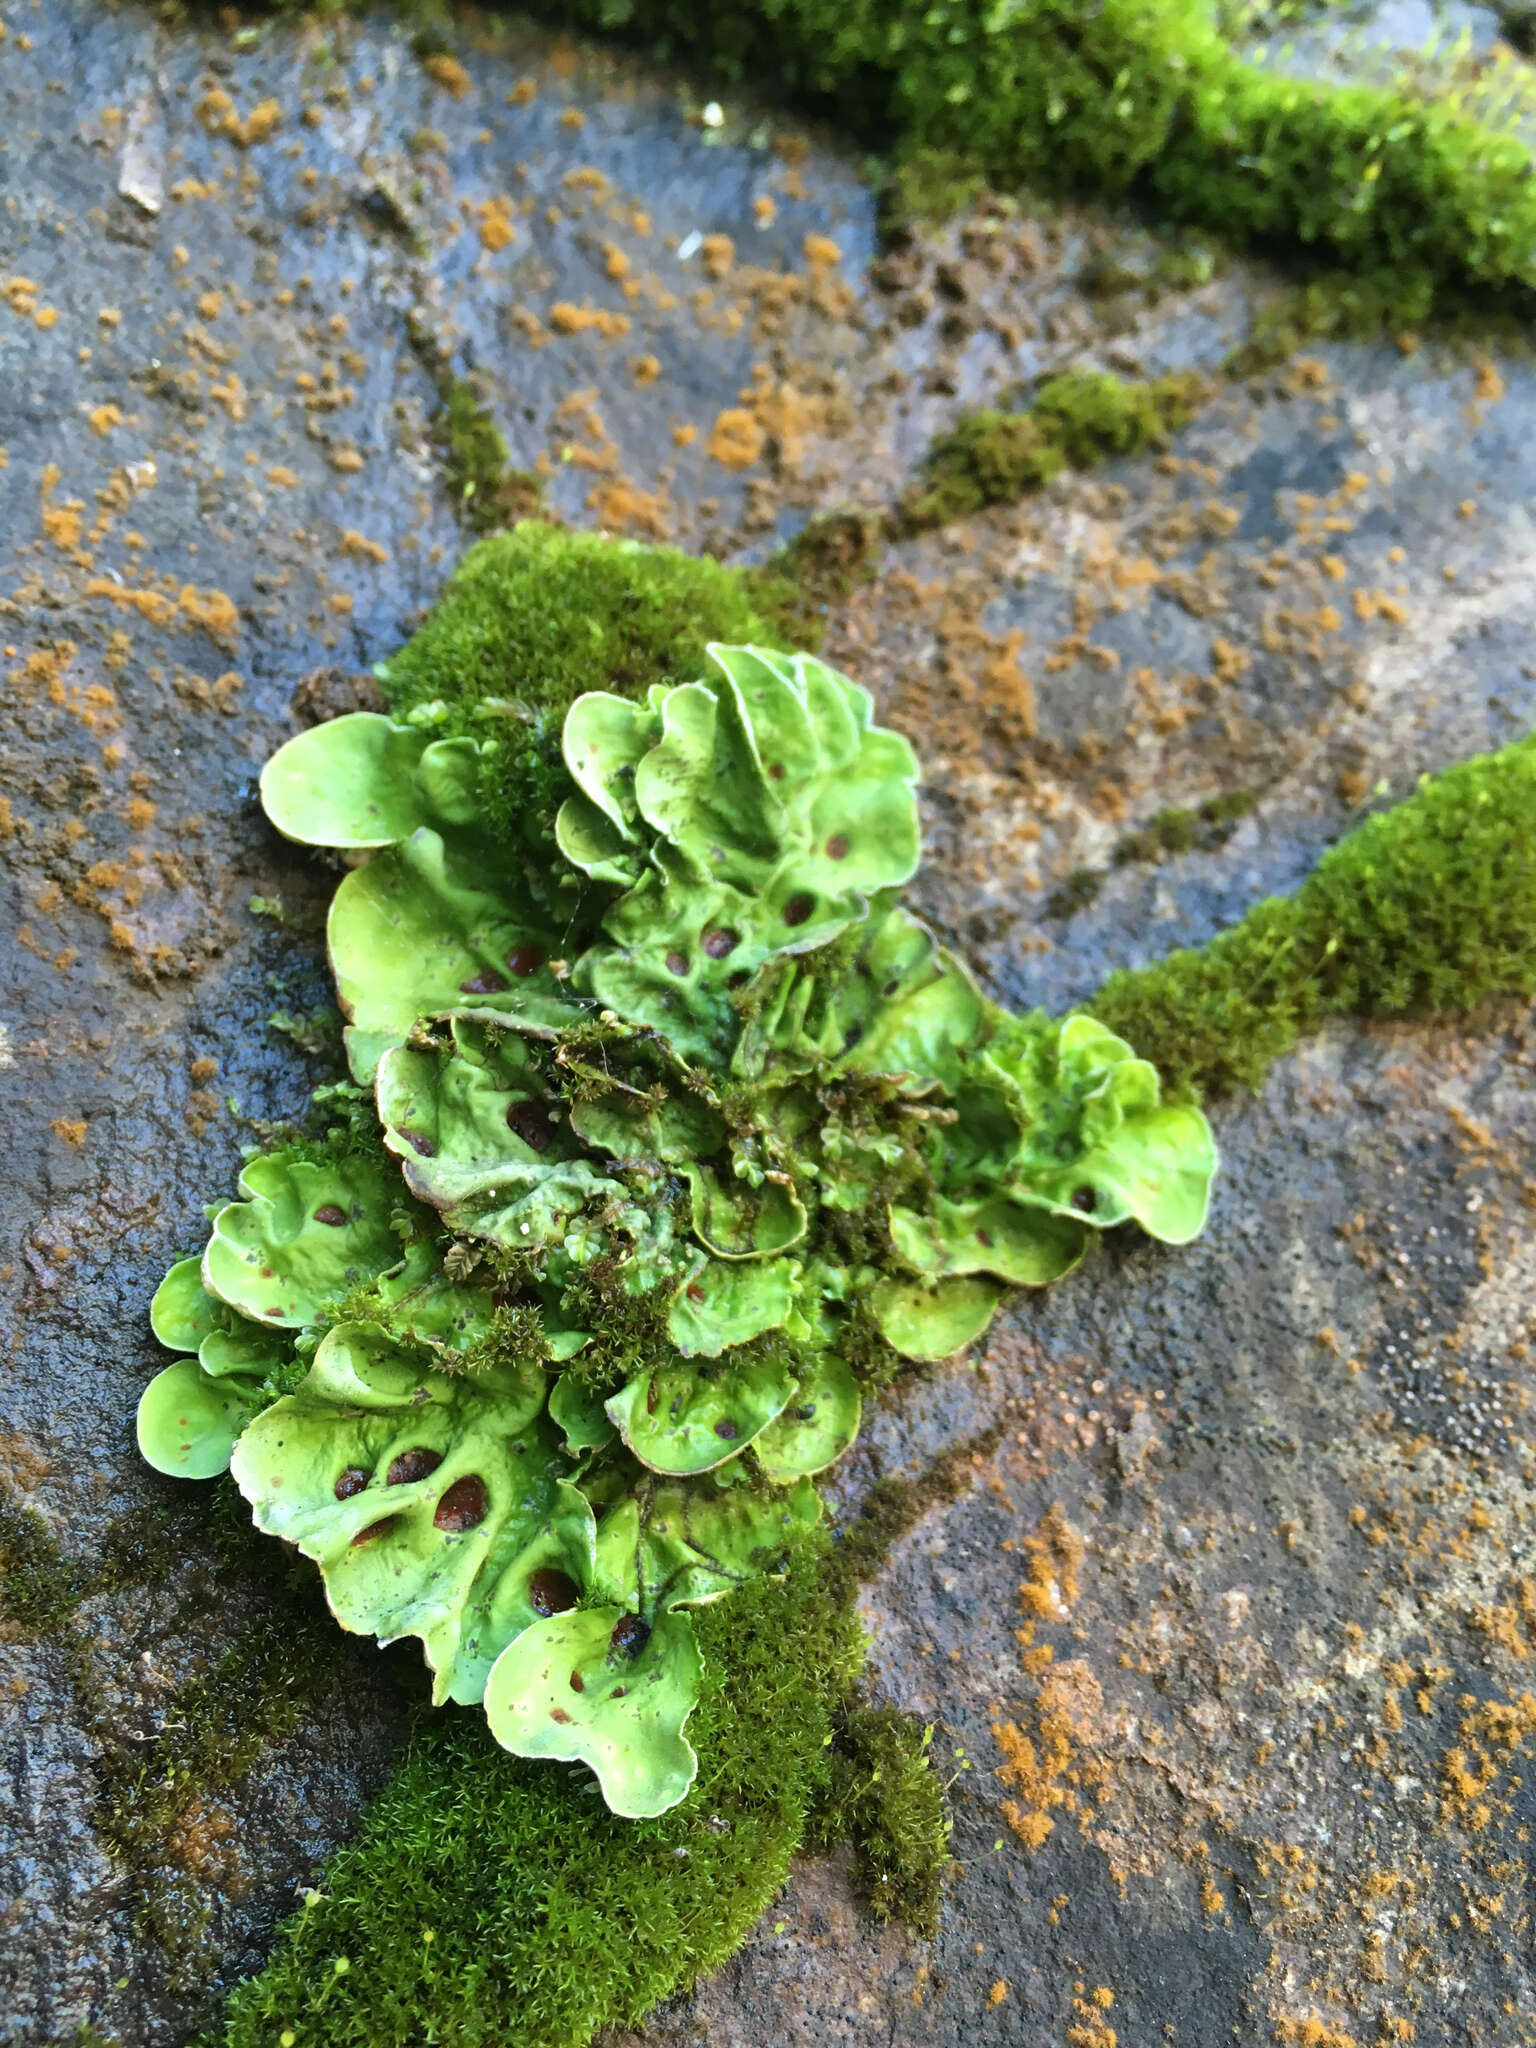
664	1060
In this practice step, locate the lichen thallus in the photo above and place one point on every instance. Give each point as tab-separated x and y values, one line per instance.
684	1127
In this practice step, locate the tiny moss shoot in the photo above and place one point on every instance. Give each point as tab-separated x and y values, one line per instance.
886	1801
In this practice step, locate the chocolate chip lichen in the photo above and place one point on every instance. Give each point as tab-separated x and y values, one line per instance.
684	1045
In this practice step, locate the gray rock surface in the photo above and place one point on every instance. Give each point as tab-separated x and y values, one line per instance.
1270	1497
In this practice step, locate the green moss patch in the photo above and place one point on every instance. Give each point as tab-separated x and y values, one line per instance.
41	1586
533	617
1176	829
1075	421
821	567
488	489
1427	908
887	1802
1132	96
927	187
494	1900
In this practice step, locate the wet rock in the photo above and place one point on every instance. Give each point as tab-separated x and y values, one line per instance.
1248	1665
332	692
224	501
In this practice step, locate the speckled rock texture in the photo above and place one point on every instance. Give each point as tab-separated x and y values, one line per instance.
1228	1642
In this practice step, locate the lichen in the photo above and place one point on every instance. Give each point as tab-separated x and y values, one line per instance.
745	1037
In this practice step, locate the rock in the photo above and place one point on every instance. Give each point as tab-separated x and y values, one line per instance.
332	692
1287	1663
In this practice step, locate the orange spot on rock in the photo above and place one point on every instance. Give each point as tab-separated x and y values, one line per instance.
737	438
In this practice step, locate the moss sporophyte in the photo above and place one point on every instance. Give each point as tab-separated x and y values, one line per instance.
684	1128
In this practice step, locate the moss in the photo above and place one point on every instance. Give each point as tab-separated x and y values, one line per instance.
1080	888
1075	421
489	492
153	1807
894	1505
888	1803
1175	830
39	1587
317	1032
492	1900
924	188
1427	908
627	1329
533	617
821	567
989	458
1133	96
156	1809
1089	414
1336	306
